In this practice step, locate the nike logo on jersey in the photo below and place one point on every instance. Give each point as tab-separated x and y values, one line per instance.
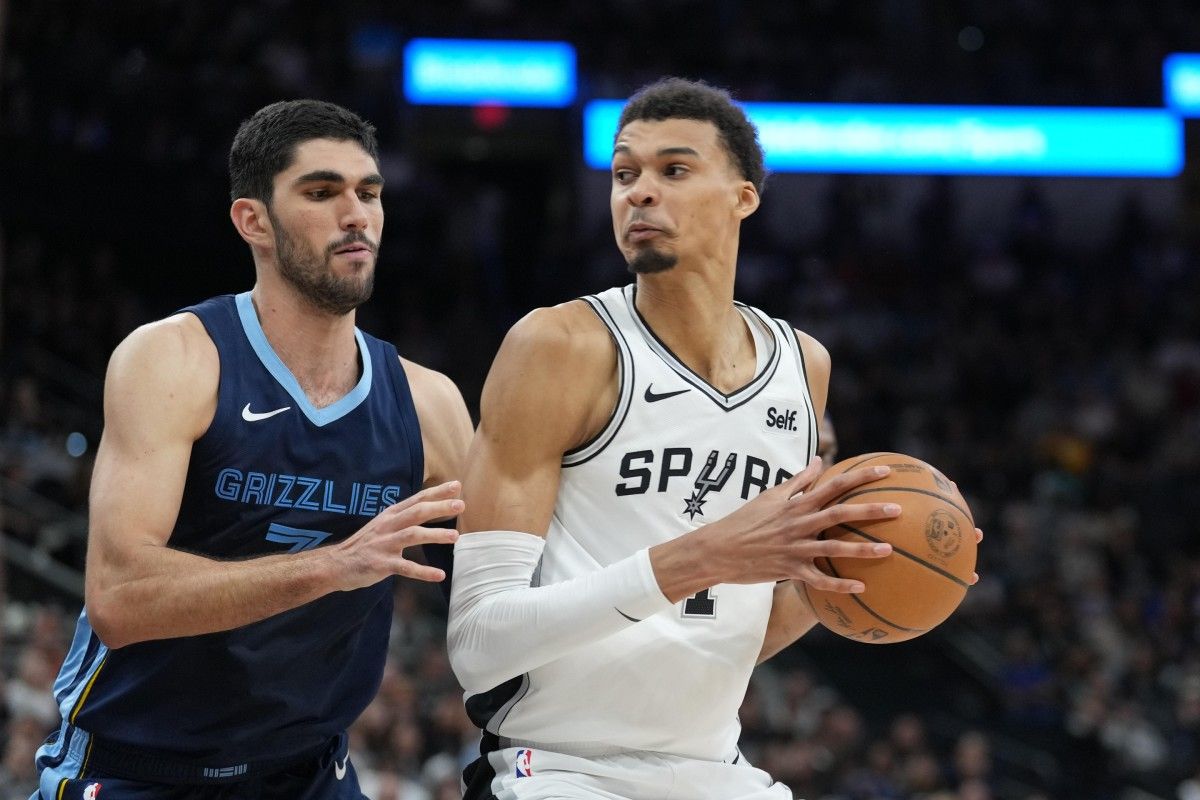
339	768
626	616
255	416
652	397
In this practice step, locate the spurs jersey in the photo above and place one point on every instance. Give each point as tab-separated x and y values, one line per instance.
675	455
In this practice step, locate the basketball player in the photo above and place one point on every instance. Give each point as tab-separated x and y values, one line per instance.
637	494
259	478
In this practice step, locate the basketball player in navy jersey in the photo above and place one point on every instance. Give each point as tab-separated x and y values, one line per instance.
639	495
260	476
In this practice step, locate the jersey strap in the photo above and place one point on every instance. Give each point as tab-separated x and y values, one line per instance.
625	379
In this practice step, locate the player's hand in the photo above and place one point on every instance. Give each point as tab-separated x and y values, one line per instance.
376	551
774	537
978	539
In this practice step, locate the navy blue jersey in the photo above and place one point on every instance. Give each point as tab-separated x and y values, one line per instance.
273	474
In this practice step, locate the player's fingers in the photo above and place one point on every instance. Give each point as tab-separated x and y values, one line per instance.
819	580
849	512
419	572
802	480
419	535
837	486
428	511
978	536
974	578
833	548
442	491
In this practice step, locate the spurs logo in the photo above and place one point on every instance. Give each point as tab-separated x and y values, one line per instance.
706	482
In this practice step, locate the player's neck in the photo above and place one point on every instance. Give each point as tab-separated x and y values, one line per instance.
694	315
319	349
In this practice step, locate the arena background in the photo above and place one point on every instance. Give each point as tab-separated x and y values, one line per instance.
1037	338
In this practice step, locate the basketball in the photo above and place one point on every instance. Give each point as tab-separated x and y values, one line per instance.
922	581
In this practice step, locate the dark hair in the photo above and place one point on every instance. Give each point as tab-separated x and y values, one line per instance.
266	143
679	98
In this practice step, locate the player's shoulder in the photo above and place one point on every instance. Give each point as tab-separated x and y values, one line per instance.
557	360
178	344
163	375
429	385
569	330
814	352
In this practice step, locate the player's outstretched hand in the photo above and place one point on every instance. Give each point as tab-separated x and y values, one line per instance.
774	536
377	549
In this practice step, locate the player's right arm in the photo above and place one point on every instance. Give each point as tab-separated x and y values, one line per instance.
553	385
159	397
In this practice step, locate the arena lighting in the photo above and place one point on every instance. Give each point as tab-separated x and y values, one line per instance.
1181	83
944	140
464	72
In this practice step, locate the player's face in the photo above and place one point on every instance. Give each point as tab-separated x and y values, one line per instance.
676	194
327	221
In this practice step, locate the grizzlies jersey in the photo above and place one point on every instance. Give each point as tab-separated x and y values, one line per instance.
676	454
273	474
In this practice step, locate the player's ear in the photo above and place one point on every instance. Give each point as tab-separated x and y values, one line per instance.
251	221
747	200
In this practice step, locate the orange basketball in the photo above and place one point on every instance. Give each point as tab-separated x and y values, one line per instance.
922	581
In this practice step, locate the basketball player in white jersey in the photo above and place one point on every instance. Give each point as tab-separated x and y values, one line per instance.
638	515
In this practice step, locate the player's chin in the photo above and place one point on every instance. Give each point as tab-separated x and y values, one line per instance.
358	260
356	276
648	260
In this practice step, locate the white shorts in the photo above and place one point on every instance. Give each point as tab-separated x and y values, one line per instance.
535	774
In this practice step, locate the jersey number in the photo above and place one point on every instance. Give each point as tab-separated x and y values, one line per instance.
298	538
701	604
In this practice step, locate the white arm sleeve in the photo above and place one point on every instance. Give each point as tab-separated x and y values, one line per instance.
501	627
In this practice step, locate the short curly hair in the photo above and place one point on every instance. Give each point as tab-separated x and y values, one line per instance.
266	143
680	98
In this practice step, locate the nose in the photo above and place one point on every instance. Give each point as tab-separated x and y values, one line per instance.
643	192
354	214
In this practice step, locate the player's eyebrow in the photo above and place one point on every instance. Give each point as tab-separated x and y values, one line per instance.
331	176
665	151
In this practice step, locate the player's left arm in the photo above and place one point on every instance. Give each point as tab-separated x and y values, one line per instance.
791	615
446	427
446	432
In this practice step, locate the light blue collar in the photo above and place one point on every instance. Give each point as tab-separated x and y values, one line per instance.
274	364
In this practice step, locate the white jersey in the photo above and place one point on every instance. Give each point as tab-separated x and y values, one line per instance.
675	455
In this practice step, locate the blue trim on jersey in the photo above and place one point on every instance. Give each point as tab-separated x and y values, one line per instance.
64	766
274	364
83	659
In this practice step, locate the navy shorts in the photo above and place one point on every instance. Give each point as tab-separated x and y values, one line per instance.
327	776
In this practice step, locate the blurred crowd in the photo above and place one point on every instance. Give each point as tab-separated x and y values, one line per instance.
1058	384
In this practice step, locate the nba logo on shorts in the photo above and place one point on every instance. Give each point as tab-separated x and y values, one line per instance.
91	791
524	763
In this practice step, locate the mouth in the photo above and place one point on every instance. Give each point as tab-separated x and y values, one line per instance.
641	231
353	249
